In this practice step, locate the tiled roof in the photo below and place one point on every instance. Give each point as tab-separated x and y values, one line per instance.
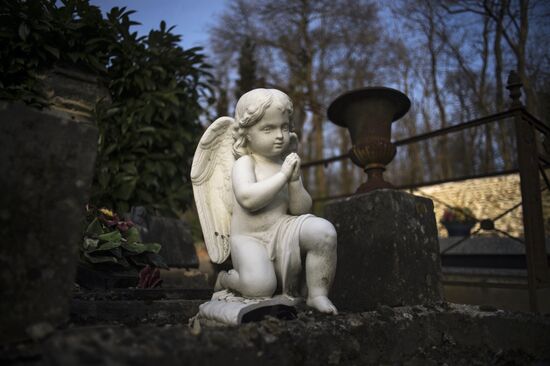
487	198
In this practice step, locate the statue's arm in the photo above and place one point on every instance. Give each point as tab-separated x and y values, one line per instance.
299	200
250	194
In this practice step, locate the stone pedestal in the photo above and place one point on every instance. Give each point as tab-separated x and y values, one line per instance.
388	251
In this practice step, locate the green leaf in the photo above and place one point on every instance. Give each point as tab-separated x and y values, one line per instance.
90	243
110	149
125	189
112	111
113	236
105	246
24	31
94	228
130	167
134	247
140	247
100	259
54	51
132	235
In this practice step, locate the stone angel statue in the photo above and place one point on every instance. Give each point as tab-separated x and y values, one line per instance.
253	206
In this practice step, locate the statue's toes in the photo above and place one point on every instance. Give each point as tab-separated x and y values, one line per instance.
218	285
323	304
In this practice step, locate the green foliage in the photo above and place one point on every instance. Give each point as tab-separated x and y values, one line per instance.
109	240
149	132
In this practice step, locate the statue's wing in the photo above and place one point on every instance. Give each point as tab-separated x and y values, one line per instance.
211	177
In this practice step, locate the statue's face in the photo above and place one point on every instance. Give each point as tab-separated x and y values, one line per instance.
270	136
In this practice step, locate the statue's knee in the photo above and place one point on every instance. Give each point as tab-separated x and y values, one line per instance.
259	284
327	236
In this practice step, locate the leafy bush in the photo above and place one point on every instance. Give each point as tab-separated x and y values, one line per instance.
149	132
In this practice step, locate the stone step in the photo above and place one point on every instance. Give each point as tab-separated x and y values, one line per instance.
133	312
146	294
134	306
419	335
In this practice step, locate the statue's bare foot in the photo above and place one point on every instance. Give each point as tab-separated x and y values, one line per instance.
323	304
218	285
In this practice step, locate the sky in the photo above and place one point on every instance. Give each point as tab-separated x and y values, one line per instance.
191	17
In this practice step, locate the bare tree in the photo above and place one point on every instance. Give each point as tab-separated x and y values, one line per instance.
311	49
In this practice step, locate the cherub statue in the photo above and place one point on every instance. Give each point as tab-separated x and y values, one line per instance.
252	204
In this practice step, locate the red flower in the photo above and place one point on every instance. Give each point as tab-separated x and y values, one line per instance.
124	225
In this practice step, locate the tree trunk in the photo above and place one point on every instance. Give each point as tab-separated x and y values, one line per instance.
443	153
503	128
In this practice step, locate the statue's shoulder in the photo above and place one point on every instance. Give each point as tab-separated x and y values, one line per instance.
244	162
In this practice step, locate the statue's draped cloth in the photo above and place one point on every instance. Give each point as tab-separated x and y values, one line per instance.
282	241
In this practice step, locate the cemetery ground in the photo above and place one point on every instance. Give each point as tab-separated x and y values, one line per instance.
144	332
152	326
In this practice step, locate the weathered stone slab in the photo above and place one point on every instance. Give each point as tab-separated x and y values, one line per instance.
388	251
174	235
46	170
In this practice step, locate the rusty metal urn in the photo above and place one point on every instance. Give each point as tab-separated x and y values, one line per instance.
368	113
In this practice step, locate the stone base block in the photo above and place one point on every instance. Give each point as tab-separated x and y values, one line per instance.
226	308
388	251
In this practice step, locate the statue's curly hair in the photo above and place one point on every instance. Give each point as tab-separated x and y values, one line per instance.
250	109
